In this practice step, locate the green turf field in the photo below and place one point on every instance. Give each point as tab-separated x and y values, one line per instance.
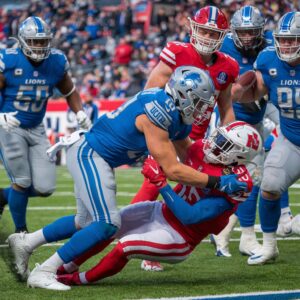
201	274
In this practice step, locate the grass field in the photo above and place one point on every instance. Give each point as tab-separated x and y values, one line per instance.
201	274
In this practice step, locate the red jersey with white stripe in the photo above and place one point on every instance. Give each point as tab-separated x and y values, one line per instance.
196	232
223	71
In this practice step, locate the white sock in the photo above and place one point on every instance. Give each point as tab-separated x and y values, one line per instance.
52	263
249	231
35	239
269	239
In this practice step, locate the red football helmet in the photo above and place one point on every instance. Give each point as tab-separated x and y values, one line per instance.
208	29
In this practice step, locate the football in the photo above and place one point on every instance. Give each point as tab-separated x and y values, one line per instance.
247	79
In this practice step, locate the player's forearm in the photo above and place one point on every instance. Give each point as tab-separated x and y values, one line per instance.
181	173
203	210
74	102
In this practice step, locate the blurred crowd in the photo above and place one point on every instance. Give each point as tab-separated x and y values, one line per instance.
110	54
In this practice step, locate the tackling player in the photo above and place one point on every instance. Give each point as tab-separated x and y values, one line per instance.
208	28
28	76
277	75
170	231
156	120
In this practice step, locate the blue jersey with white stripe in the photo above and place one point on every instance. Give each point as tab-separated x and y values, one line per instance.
283	83
27	86
251	113
117	140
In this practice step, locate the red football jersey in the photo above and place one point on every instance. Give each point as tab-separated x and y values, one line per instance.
196	232
223	72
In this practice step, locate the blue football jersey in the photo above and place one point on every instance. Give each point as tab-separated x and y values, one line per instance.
282	81
28	87
250	112
115	137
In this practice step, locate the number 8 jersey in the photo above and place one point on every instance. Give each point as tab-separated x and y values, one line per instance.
27	86
283	83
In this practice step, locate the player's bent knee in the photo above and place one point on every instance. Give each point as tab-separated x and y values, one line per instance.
21	185
272	184
270	196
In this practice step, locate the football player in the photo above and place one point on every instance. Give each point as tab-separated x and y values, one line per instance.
246	40
208	28
28	76
156	120
276	75
169	231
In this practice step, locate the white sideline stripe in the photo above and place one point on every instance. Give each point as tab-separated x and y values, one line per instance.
231	296
204	241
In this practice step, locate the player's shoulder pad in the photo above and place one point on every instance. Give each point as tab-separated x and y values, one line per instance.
265	57
158	109
175	47
59	58
8	58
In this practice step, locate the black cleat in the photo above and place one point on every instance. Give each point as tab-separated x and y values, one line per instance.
3	202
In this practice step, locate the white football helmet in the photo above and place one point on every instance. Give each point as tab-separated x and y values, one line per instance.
287	37
193	93
247	25
235	143
208	19
35	38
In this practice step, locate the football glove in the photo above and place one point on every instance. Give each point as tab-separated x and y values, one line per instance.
83	120
154	173
231	184
70	279
8	120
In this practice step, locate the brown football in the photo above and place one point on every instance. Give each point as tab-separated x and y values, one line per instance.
247	79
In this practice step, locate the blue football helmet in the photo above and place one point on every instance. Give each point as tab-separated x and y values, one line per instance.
247	26
35	38
287	37
193	92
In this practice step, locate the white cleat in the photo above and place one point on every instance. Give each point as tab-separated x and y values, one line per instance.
222	249
154	266
249	245
296	224
266	255
45	279
284	228
21	253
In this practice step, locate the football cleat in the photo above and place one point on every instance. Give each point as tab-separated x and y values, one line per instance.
21	253
154	266
296	224
284	228
45	279
266	255
249	245
220	252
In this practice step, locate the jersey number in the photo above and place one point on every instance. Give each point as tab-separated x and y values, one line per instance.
31	102
288	109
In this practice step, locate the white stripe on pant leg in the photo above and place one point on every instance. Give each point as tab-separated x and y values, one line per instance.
99	189
84	175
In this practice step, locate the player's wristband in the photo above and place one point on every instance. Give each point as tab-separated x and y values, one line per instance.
213	182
